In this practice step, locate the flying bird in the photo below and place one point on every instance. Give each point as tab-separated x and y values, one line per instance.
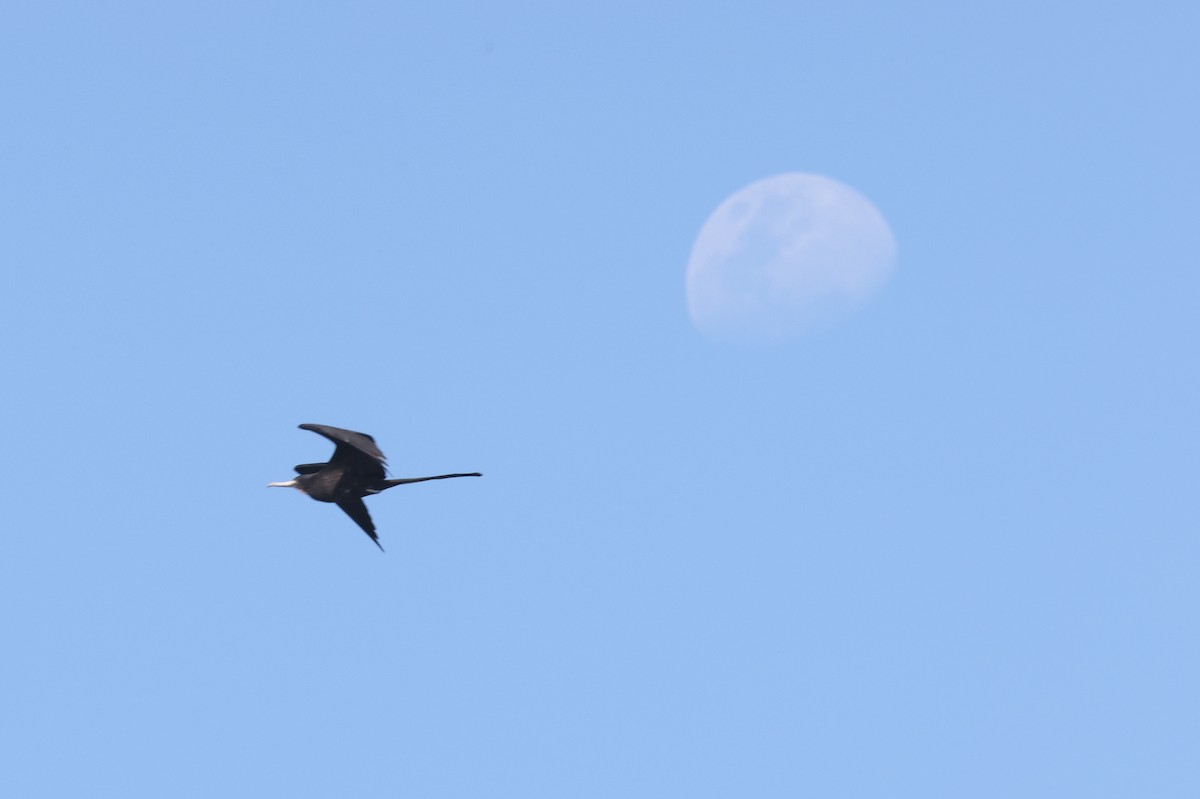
356	470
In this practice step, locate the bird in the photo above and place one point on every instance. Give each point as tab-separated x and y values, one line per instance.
356	470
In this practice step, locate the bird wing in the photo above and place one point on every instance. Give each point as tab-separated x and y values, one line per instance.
356	509
352	448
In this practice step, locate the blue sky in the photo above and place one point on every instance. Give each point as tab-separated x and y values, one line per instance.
944	548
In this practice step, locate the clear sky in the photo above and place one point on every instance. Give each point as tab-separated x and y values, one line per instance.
946	547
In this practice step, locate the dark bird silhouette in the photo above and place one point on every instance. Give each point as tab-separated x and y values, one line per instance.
356	470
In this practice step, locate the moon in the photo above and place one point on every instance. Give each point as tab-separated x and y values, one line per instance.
784	255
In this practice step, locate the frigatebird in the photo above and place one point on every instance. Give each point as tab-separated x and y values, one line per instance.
356	470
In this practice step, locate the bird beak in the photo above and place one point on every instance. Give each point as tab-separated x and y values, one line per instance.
288	484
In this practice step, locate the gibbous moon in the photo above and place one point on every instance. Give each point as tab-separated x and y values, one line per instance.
785	254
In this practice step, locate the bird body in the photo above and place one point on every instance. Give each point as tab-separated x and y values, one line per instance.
357	469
